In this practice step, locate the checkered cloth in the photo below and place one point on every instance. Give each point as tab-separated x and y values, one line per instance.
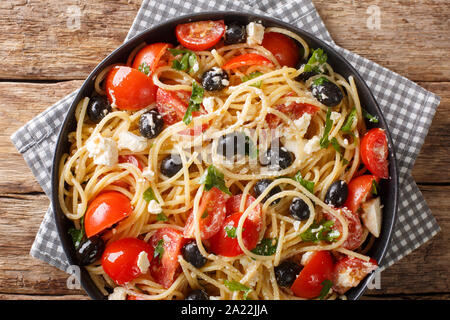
407	108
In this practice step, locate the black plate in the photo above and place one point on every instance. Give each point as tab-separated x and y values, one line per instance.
164	32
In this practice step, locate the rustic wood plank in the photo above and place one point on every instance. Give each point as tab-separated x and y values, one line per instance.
42	41
423	271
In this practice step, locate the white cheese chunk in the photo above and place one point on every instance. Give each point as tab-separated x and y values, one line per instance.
154	207
302	123
142	262
255	33
335	116
372	216
148	174
119	293
306	257
132	142
312	145
103	150
208	103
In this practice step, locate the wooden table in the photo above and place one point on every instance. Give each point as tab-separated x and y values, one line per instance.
43	57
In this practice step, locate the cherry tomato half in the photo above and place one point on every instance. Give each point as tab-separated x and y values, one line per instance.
355	229
349	271
120	259
225	242
282	47
256	215
294	111
130	159
247	59
200	35
151	55
358	190
165	265
374	152
129	89
107	209
318	269
212	210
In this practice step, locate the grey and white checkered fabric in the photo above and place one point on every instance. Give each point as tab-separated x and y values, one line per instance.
408	109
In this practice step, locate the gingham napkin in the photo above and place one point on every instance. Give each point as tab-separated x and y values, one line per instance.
407	108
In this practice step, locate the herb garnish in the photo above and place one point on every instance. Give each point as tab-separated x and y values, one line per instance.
231	232
194	102
267	247
161	217
237	286
336	145
251	76
327	284
347	126
309	185
188	62
77	235
321	232
324	142
317	62
144	68
159	250
369	117
214	178
149	195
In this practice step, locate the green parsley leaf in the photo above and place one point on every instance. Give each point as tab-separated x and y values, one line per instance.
144	68
161	217
231	232
149	195
345	161
309	185
205	214
347	126
267	247
326	286
188	62
250	148
336	145
77	235
194	102
324	142
214	178
320	232
320	81
251	76
369	117
237	286
317	62
159	249
375	187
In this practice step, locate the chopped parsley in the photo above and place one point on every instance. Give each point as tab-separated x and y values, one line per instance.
159	249
321	231
326	286
317	62
231	232
336	145
77	235
144	68
250	148
375	187
214	178
149	195
188	61
347	126
194	102
267	247
324	142
369	117
251	76
161	217
237	286
320	81
309	185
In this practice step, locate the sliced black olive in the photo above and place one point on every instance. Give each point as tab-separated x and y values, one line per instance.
327	92
298	209
277	157
98	108
232	144
304	75
197	295
215	79
262	185
337	194
151	124
235	33
171	164
90	250
192	255
286	273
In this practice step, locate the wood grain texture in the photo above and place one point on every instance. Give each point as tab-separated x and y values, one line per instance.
45	33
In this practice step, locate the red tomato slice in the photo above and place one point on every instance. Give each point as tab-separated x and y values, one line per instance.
355	229
200	35
349	271
225	245
130	159
358	190
212	210
120	259
255	215
107	209
374	152
129	89
151	55
247	59
282	47
318	269
293	111
164	268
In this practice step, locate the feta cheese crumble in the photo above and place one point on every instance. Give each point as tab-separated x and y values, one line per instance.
154	207
208	103
142	262
302	123
148	173
312	145
255	33
132	142
103	150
